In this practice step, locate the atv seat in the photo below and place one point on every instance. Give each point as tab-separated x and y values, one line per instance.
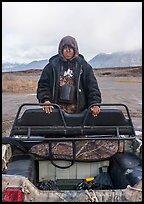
37	122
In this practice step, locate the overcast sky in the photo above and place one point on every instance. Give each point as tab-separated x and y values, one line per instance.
33	30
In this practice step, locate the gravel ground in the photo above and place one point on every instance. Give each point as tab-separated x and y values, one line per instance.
114	90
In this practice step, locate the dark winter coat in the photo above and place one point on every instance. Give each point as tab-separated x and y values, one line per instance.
87	90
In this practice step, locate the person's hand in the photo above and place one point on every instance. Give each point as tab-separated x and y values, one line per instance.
95	110
48	109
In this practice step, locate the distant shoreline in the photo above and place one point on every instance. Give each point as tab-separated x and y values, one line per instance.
95	69
99	72
25	70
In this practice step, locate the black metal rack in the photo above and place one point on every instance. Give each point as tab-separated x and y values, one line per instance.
111	123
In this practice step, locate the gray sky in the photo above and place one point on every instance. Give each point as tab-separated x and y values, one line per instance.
33	30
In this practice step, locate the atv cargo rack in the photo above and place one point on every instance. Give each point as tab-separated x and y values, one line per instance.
111	123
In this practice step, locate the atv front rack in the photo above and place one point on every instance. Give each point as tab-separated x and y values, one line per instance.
112	123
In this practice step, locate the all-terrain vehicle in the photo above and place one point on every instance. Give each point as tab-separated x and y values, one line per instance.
61	157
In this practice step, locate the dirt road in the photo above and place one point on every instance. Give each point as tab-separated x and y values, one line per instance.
114	90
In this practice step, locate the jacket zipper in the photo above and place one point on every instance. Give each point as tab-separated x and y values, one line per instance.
79	84
53	83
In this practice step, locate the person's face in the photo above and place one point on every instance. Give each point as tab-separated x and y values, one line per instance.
68	53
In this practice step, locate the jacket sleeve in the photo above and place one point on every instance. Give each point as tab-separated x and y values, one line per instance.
92	89
44	89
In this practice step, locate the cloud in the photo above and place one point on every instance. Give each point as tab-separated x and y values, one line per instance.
32	30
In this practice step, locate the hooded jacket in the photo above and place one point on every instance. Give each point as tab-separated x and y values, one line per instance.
87	90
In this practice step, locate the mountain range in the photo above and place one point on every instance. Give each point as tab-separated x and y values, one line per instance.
102	60
37	64
117	59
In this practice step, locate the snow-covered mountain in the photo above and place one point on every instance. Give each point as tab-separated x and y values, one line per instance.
40	64
117	59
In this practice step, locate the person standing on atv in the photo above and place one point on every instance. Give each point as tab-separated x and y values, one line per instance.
68	80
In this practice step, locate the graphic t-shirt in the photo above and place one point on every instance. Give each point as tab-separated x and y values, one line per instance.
67	78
